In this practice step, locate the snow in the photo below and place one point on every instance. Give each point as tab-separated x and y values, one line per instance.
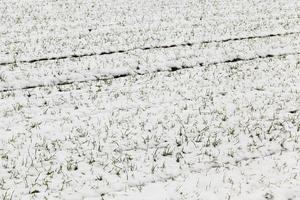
149	100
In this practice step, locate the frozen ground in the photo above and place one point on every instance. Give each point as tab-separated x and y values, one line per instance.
160	100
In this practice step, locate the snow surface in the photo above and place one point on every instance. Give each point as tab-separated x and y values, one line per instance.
175	99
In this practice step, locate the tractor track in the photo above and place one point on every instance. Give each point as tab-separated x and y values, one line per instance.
148	48
172	69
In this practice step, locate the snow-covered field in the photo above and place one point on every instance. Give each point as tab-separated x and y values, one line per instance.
156	100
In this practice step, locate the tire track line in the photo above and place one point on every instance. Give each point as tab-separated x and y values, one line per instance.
172	69
149	48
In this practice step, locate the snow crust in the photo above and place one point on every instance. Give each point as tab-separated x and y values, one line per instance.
149	100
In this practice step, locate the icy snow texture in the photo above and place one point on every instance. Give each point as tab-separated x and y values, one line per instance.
149	99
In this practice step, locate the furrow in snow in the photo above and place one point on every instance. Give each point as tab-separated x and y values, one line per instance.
147	48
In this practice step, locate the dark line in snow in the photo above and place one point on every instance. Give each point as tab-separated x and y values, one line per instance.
148	48
171	69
